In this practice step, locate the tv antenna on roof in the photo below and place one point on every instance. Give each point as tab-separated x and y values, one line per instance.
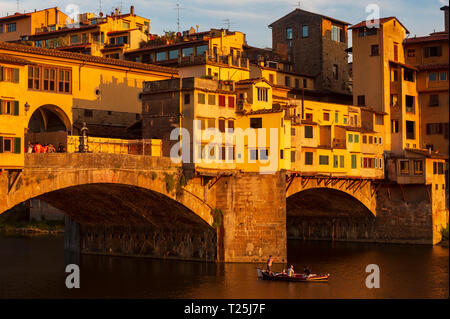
227	23
178	8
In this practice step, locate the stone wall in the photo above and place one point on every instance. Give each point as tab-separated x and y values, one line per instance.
402	216
176	242
254	217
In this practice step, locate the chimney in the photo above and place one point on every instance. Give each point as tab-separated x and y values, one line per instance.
132	10
117	11
445	9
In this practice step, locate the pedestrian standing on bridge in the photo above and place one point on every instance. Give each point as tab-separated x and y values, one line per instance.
37	147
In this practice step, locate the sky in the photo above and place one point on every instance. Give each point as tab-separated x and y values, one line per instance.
251	17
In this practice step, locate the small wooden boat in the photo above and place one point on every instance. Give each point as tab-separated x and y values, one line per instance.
296	278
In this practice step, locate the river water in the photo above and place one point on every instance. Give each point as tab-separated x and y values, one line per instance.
34	267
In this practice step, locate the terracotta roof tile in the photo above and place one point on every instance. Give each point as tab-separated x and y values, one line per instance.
7	58
363	24
438	36
84	57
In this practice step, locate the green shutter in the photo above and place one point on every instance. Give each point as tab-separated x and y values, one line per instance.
16	75
16	108
17	145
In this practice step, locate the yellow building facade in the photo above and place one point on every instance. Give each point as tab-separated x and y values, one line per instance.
217	54
43	91
106	36
14	27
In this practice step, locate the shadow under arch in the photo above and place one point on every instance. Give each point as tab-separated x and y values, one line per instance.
49	118
119	219
327	214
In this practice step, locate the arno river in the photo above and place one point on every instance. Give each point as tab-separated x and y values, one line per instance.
34	267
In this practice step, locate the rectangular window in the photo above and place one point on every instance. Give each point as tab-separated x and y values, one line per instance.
350	138
395	75
292	156
33	77
253	155
297	83
370	139
323	160
442	76
222	100
418	167
411	53
287	81
231	102
309	117
222	125
356	138
11	27
353	161
230	126
394	126
264	154
341	161
440	168
308	132
326	116
336	117
395	51
361	100
9	74
364	139
374	50
409	103
337	34
49	79
161	56
433	51
404	167
65	81
432	76
173	54
292	131
408	75
201	98
335	161
263	94
288	33
308	158
211	99
256	122
187	99
187	52
305	31
410	130
200	50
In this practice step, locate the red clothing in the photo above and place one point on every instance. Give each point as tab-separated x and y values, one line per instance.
37	148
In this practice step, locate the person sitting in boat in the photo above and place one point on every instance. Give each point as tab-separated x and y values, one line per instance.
290	271
269	264
307	271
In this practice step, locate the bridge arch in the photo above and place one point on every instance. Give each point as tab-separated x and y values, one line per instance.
320	208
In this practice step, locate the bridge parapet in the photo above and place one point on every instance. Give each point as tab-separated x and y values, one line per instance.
98	160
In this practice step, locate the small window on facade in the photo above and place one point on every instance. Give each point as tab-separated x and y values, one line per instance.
374	50
361	100
187	99
323	159
404	167
211	99
418	167
256	122
221	100
201	98
222	125
308	158
308	132
305	31
326	116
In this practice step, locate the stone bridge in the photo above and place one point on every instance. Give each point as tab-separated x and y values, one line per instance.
145	206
